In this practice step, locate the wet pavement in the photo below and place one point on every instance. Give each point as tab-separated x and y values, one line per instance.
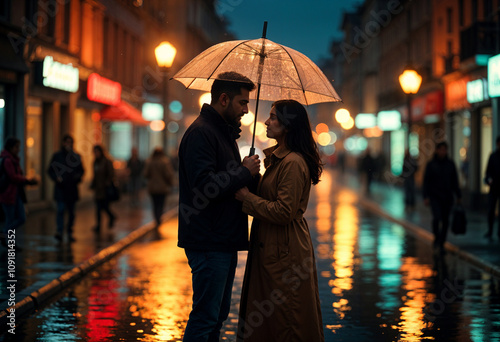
377	282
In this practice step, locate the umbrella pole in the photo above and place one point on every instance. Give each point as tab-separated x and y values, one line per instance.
261	65
252	149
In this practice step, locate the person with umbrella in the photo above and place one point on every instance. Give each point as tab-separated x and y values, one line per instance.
281	269
212	225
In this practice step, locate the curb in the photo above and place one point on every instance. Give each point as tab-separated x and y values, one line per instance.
426	235
37	298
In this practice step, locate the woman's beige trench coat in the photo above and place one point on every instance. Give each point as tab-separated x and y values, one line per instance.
280	300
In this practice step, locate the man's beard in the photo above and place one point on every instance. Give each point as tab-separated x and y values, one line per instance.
231	118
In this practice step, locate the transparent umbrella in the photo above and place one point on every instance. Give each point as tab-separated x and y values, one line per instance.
279	71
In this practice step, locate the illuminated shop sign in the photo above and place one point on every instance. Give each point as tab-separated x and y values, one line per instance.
152	111
101	89
59	76
365	120
389	120
477	91
494	76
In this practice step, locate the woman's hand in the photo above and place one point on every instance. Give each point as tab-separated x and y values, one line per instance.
242	193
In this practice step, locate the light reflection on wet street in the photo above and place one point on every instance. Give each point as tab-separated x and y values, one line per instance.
377	283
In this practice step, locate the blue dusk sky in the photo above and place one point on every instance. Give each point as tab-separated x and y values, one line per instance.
306	26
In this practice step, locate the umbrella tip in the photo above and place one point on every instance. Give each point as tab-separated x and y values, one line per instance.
264	31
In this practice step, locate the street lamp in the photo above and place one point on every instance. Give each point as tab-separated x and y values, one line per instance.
410	82
165	54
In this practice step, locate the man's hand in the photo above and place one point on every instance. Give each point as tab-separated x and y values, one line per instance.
252	164
242	193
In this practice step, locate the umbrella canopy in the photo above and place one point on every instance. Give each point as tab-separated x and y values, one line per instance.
282	72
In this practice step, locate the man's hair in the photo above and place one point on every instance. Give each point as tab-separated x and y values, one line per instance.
230	83
67	137
441	144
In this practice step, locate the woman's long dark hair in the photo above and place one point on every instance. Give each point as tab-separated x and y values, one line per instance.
299	138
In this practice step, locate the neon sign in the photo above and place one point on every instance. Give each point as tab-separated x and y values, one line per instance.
101	89
59	76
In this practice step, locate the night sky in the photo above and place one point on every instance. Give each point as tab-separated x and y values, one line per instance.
306	26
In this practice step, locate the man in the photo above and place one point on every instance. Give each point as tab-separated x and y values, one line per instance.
212	226
493	180
66	170
440	184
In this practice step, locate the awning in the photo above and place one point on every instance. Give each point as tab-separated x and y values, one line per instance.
123	112
9	58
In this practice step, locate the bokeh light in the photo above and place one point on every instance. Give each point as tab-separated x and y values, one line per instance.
157	125
321	128
205	98
173	127
247	119
259	129
324	139
342	116
348	124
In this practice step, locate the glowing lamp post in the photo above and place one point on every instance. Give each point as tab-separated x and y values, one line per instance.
165	54
410	82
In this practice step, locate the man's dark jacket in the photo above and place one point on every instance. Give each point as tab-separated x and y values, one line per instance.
210	172
493	170
68	166
441	180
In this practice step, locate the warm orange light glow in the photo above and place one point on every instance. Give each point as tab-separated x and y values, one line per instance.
410	81
322	128
342	115
259	129
30	142
247	119
347	125
324	138
373	132
157	125
96	116
165	54
205	98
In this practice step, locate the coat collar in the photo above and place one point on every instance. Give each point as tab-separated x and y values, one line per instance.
274	154
208	112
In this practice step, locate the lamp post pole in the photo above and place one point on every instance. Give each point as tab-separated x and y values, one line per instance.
165	109
408	104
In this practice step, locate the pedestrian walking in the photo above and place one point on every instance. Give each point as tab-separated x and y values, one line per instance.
410	167
66	170
493	180
102	182
135	168
160	176
13	196
368	167
440	189
281	274
212	226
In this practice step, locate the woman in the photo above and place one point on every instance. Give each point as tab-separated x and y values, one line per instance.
160	176
13	196
103	179
280	299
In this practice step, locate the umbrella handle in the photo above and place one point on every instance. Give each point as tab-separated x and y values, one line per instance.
252	151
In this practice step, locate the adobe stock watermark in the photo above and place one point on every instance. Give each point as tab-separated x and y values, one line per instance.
29	29
224	6
372	28
449	294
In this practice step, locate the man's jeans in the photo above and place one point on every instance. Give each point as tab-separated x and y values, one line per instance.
15	216
213	275
62	207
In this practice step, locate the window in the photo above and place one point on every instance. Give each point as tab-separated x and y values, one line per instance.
474	10
461	13
449	20
67	16
46	17
5	10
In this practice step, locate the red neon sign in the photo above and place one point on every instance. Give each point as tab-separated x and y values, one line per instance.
101	89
